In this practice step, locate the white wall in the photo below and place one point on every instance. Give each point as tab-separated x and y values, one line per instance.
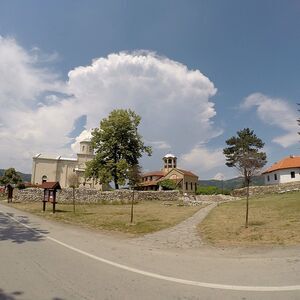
283	176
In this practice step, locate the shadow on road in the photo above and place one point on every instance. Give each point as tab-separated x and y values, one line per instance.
10	296
17	233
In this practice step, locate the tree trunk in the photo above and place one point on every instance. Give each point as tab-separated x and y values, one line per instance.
116	185
73	200
10	190
247	204
132	200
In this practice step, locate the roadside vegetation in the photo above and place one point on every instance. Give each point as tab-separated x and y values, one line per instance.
273	220
149	216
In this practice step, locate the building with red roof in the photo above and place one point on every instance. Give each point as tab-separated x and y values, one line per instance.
186	181
284	171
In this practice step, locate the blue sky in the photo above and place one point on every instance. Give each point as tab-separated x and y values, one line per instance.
247	53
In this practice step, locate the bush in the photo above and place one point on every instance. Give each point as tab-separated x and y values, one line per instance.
167	184
21	186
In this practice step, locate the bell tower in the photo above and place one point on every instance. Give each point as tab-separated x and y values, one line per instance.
86	147
86	152
170	162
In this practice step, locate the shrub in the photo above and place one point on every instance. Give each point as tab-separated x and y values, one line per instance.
21	186
167	184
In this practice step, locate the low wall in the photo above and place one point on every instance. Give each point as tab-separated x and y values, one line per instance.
267	189
83	195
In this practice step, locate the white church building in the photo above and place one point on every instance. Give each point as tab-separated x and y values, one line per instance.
285	171
57	168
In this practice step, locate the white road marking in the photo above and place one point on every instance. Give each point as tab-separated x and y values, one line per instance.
163	277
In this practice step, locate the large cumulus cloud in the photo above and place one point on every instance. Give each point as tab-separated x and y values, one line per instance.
39	110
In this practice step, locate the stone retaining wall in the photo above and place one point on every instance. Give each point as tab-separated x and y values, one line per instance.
267	189
83	195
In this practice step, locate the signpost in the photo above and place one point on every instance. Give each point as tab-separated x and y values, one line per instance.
50	189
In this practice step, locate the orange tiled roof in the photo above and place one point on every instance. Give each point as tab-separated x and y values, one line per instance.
286	163
153	173
189	173
149	183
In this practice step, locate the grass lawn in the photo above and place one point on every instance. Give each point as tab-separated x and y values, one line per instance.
273	219
149	216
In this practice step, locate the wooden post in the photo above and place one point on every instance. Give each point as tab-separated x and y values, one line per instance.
54	200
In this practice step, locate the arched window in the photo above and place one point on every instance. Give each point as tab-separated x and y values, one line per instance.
44	178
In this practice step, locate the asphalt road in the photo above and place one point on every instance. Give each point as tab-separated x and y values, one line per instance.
45	260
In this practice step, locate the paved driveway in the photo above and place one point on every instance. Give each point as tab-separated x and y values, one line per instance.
44	260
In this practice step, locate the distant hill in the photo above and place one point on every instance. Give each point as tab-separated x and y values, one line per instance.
231	184
25	177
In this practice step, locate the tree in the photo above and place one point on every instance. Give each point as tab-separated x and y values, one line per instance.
243	154
73	181
9	179
118	147
168	184
134	179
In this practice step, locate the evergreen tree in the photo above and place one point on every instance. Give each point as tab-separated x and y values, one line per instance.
243	154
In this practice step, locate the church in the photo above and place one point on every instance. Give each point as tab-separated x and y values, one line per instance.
57	168
185	181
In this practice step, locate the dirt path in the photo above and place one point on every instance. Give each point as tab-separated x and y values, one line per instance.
183	235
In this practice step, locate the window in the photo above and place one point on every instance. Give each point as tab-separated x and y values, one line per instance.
275	176
186	186
82	148
191	186
292	174
44	178
268	178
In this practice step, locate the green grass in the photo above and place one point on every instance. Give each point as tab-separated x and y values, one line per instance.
273	220
149	216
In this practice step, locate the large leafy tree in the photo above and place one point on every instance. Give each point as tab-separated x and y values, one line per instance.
9	179
10	176
118	147
243	153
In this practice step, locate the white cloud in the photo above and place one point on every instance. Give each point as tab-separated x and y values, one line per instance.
173	101
84	135
277	112
203	159
28	123
159	144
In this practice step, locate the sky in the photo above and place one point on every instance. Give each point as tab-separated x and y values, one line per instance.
195	71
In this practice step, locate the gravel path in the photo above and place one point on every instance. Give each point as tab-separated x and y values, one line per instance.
183	235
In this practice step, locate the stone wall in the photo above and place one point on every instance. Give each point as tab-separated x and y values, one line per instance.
83	195
267	189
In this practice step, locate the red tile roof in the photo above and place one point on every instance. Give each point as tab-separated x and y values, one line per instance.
153	173
149	183
188	173
51	185
286	163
